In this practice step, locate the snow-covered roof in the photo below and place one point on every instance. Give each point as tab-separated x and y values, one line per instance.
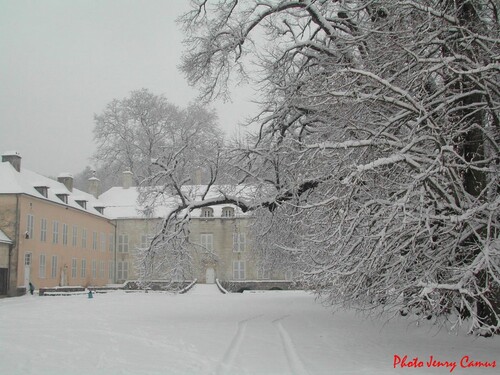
65	175
4	238
11	153
123	203
25	181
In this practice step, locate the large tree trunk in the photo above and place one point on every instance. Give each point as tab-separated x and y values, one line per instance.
473	149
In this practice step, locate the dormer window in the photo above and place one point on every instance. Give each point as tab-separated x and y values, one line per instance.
207	212
43	190
100	209
227	212
82	203
63	197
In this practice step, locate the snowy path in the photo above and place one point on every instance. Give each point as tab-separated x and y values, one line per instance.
208	333
204	289
257	339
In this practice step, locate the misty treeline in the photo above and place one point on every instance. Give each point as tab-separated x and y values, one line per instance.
376	166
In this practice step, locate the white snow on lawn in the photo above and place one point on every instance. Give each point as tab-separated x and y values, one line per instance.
205	332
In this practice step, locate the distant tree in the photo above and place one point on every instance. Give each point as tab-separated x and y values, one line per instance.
80	180
133	131
165	147
107	176
377	162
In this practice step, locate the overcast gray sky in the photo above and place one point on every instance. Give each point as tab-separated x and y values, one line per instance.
62	61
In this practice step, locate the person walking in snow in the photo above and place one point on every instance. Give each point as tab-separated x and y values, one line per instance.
32	288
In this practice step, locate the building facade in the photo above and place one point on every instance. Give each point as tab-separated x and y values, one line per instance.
221	246
59	235
53	235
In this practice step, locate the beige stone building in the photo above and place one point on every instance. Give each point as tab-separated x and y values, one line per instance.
56	235
221	249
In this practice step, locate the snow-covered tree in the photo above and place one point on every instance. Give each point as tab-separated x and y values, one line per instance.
132	131
377	160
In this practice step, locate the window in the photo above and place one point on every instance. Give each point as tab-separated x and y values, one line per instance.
82	203
103	242
43	230
41	268
63	197
123	243
28	258
73	268
111	242
239	270
238	242
227	212
65	234
83	270
146	240
55	232
122	271
207	241
94	240
263	274
101	269
43	190
53	271
111	270
207	212
75	236
84	238
29	227
94	269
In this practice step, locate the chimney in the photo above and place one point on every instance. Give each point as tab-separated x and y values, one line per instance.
67	180
94	186
13	158
127	179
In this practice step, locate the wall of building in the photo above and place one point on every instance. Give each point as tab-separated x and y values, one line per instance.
48	255
222	259
4	255
131	230
223	231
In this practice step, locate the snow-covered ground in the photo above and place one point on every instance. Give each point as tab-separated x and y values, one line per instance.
205	332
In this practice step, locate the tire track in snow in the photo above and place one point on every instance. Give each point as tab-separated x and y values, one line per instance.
294	361
234	348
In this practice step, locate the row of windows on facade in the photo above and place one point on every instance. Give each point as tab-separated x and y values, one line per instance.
77	270
209	212
122	268
30	229
239	241
206	239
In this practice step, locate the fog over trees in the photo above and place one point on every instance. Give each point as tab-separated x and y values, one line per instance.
377	160
133	131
